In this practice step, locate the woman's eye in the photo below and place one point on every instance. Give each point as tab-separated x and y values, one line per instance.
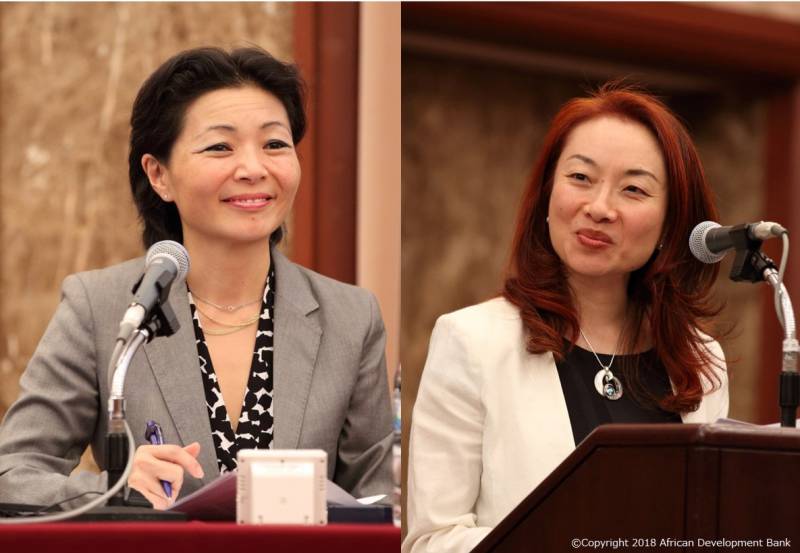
276	145
221	147
635	190
579	177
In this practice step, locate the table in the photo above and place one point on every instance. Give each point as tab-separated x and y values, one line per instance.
195	537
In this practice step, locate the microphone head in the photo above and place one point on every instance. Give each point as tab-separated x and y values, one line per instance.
697	243
173	251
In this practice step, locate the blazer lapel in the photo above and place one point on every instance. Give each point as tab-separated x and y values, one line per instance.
551	413
176	368
296	344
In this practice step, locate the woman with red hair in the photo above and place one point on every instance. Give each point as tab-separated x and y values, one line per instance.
603	319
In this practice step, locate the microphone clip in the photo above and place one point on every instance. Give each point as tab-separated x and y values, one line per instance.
750	263
162	320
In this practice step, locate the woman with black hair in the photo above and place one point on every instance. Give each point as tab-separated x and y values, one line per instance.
268	355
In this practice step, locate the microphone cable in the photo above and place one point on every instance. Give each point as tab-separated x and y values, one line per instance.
72	513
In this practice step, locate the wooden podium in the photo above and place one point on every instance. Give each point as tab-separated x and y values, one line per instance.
691	484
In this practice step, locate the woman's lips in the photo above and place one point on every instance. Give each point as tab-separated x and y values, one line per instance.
249	203
594	239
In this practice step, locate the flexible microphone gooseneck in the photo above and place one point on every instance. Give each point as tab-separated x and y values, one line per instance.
148	315
709	242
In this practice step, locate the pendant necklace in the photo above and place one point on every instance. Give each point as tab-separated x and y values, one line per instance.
606	384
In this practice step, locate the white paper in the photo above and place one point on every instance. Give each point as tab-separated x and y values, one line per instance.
371	499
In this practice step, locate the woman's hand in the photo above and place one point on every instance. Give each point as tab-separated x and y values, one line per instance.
153	463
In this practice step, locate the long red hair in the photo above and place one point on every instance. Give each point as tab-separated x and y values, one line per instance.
671	291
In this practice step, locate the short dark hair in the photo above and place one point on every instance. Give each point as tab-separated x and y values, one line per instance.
158	112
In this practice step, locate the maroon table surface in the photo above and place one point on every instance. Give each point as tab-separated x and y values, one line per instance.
193	537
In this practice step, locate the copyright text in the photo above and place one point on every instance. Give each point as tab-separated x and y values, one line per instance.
657	543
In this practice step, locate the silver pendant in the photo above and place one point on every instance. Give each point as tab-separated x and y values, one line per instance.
607	385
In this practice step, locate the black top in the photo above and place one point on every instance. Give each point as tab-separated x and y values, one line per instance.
254	429
588	409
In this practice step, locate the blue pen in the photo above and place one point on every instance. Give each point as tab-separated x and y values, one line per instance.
155	436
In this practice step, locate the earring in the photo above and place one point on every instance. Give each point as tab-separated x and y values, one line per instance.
547	219
660	246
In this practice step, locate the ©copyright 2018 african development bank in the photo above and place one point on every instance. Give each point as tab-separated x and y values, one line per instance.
657	543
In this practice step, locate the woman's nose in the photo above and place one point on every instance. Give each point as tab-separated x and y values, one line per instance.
251	166
601	206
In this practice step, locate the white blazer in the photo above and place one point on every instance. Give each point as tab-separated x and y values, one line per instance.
490	423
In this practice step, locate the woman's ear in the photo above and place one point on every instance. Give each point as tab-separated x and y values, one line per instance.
156	174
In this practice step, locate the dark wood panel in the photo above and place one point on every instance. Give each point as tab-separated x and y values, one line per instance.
782	185
654	506
338	127
753	501
673	34
326	47
669	482
304	213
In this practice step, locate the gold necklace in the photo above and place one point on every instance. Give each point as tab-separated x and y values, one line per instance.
242	324
228	308
210	332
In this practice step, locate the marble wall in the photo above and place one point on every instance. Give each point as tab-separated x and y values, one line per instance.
729	131
470	135
68	76
471	132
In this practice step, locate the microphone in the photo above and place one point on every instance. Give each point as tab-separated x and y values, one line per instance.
166	262
709	241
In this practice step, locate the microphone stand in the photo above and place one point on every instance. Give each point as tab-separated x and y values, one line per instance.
162	322
753	266
789	396
116	439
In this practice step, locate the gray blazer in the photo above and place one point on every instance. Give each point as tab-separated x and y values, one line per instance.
330	387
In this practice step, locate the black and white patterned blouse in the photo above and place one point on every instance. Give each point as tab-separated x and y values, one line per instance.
254	430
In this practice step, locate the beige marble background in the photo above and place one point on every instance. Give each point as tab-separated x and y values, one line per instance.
471	133
68	76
